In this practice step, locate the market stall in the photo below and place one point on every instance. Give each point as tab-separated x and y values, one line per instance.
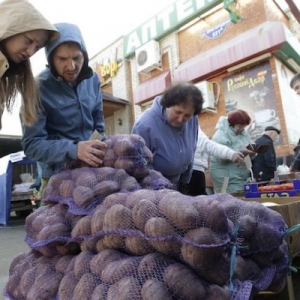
11	166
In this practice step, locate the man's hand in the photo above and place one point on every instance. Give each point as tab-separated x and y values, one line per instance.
238	157
91	152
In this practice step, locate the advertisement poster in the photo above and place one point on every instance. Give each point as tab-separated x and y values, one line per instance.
290	103
252	90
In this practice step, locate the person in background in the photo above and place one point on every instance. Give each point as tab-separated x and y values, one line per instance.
264	163
295	83
205	148
71	111
23	31
295	165
230	131
170	130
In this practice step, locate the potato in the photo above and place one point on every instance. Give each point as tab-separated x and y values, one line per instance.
153	265
66	188
87	178
215	292
127	164
180	211
52	232
154	289
116	217
69	248
83	227
98	219
85	286
83	196
100	246
104	173
48	250
100	292
116	198
184	282
128	288
140	172
211	214
116	270
82	263
63	263
16	261
196	256
246	269
130	184
12	286
45	286
27	281
134	197
120	175
105	188
124	147
88	245
67	286
157	228
142	212
99	262
109	158
138	245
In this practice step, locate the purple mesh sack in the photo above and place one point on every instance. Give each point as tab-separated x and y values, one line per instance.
128	152
82	189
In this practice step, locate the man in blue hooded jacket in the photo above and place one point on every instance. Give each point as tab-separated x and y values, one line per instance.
71	107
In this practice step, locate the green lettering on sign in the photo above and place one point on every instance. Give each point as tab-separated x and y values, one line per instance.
168	20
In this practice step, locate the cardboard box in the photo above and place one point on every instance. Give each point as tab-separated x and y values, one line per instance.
289	208
251	190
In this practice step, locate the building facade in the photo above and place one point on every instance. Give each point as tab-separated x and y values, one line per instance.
241	54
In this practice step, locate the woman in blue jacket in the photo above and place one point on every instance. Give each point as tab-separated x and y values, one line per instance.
170	130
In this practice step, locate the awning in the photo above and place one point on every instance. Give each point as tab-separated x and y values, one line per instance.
112	104
266	37
152	87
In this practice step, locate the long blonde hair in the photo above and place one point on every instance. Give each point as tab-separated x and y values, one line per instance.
22	81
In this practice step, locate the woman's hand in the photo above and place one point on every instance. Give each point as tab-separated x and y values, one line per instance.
238	157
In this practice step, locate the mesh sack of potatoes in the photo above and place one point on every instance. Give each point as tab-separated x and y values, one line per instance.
48	230
199	231
82	189
128	152
33	276
156	181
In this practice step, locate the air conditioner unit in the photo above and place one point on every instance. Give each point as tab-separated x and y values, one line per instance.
209	104
148	57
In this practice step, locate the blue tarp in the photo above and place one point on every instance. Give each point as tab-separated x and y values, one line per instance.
6	188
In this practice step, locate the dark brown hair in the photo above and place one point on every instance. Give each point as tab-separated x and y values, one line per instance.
294	79
183	93
238	116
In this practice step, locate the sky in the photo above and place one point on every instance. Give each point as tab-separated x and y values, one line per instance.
101	23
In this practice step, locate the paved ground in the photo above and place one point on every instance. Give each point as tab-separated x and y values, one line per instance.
12	243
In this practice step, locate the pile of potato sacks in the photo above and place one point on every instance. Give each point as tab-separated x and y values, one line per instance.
115	233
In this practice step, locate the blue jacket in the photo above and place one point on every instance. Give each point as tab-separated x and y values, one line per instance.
173	148
68	115
220	168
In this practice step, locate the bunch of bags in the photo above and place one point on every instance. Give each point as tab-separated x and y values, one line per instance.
103	235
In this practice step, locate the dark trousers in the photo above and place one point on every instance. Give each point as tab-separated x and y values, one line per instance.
196	186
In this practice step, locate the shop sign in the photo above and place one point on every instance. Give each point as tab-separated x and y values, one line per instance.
170	19
216	31
252	90
107	68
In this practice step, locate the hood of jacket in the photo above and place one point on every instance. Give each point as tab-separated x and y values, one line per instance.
18	16
68	33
